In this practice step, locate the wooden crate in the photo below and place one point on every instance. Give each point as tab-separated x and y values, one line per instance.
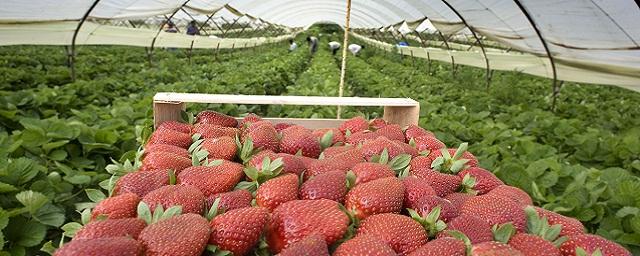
402	111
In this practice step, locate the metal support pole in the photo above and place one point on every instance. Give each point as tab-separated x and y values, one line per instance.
343	66
72	50
190	52
153	42
200	28
428	63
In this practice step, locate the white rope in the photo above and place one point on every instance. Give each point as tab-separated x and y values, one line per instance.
343	67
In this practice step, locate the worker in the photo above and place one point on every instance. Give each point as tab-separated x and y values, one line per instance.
334	46
355	48
192	29
313	44
170	28
292	45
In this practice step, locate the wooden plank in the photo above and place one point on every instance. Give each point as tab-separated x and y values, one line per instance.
311	123
282	100
166	111
403	116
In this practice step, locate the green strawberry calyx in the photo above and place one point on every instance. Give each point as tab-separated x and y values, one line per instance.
503	232
326	140
430	221
468	183
583	252
451	164
268	170
540	227
461	236
144	212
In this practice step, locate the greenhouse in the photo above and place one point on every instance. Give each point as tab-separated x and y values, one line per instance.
351	127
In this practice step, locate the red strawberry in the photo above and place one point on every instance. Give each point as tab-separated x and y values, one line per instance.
475	228
375	147
354	125
187	196
248	119
334	151
238	230
209	131
366	172
182	235
485	181
312	245
165	148
231	200
414	189
349	157
408	149
392	132
442	183
458	199
213	179
512	192
414	131
361	137
220	148
141	182
212	117
364	245
176	126
496	210
402	233
278	190
336	137
424	205
264	137
111	228
378	123
171	137
533	245
494	249
590	243
428	143
295	220
290	163
295	129
570	226
111	246
442	246
472	161
328	185
117	207
375	197
281	126
305	142
163	161
326	165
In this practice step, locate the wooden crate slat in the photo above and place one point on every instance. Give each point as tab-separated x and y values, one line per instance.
282	100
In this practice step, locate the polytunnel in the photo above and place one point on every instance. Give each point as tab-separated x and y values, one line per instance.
320	127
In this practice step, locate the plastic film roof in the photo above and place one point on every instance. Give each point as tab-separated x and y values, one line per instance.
581	36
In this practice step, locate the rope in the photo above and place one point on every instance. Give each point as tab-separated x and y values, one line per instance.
343	67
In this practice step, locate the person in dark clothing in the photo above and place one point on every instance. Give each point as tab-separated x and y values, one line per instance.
192	29
313	44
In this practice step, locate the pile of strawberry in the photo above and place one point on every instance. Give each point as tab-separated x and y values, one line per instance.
366	188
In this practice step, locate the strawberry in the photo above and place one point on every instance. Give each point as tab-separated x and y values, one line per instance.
209	131
264	137
361	137
402	233
294	220
111	246
408	149
475	228
458	199
590	243
182	235
428	144
187	196
141	183
570	226
171	137
444	184
290	163
483	180
176	126
163	161
312	245
248	119
334	151
414	189
512	192
328	185
452	160
384	195
366	172
494	249
442	246
212	117
302	141
375	147
111	228
326	165
231	200
354	125
295	129
220	148
496	210
533	245
349	157
165	148
542	238
212	179
281	126
336	135
392	132
424	205
378	123
238	230
278	190
364	245
117	207
414	131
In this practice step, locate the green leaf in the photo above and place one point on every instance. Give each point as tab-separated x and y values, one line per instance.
502	233
78	179
327	139
51	145
48	248
32	234
157	213
384	156
251	172
50	215
144	212
95	195
32	200
70	229
85	216
172	211
7	188
400	162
